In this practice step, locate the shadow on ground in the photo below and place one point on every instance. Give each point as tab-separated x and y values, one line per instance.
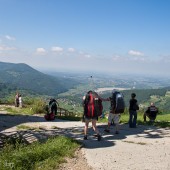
71	129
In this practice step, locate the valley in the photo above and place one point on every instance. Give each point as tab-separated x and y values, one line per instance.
69	87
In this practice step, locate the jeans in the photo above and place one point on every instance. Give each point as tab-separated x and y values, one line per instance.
132	118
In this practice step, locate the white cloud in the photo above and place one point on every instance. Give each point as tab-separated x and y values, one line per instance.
87	55
9	37
71	49
135	53
5	48
84	55
56	49
40	51
116	58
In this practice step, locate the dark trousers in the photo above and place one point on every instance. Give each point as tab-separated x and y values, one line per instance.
151	118
132	118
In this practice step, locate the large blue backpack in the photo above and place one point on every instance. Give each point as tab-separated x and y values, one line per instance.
117	102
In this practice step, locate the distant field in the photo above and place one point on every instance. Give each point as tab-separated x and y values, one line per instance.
103	89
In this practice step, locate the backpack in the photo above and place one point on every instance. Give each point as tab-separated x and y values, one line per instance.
53	106
92	105
117	102
50	116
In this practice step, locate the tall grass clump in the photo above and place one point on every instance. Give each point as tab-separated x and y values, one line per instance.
38	106
36	156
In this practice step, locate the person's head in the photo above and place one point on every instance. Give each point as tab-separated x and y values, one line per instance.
152	104
133	95
52	100
114	90
90	91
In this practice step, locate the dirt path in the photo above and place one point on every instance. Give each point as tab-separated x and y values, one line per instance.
142	148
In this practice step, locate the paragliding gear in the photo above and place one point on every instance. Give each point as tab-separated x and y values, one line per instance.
92	105
53	106
117	102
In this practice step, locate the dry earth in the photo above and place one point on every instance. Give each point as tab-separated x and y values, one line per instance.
142	148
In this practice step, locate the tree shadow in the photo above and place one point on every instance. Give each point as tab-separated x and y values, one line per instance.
7	120
56	127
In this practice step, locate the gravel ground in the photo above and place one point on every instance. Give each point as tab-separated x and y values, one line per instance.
141	148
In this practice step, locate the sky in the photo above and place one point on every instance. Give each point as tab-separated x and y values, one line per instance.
109	36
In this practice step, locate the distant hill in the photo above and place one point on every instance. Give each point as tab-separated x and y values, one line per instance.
161	97
22	76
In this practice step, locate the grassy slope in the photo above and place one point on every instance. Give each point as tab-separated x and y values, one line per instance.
44	156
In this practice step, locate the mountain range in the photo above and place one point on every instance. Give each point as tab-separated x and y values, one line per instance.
22	76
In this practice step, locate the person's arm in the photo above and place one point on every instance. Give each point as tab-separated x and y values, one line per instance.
130	104
104	99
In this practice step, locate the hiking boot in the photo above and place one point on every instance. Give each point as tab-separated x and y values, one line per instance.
107	130
85	137
99	138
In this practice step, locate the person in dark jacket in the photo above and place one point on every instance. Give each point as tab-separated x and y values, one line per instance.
151	113
133	107
53	105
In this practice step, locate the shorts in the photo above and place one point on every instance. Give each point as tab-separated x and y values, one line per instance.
89	118
115	117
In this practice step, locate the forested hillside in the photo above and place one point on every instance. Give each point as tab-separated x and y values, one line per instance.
22	76
161	97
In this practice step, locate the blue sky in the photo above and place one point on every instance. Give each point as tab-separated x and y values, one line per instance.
114	36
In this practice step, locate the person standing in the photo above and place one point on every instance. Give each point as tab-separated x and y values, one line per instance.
133	107
90	113
20	101
17	99
53	106
117	107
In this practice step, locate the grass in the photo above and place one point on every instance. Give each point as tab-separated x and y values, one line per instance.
25	127
44	156
71	118
18	110
162	120
35	105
